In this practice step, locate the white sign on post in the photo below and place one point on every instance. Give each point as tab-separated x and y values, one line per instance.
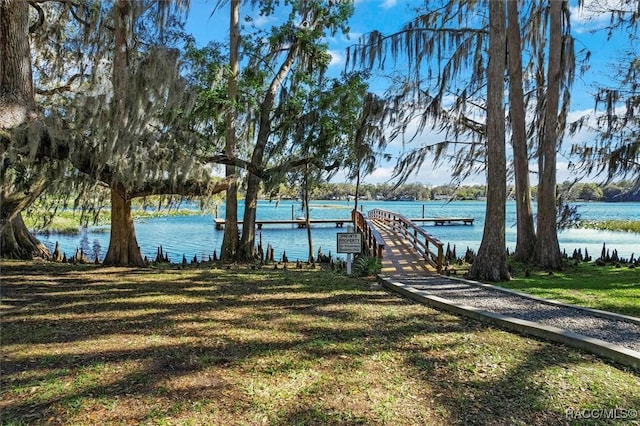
349	242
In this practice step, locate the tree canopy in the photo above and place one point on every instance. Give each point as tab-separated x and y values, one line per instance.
105	104
115	94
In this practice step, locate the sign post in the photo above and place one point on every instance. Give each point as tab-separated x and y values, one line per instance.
349	242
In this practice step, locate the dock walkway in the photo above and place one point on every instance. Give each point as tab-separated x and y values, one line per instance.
399	258
439	221
609	335
300	222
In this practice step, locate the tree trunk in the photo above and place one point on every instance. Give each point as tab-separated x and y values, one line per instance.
248	241
18	243
357	194
16	106
122	16
123	244
525	236
547	251
16	82
14	199
307	215
15	240
491	262
230	238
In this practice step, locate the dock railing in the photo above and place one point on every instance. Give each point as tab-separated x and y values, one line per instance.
428	246
373	241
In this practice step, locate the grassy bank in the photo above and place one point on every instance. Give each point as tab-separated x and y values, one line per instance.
64	222
612	225
87	344
70	222
609	288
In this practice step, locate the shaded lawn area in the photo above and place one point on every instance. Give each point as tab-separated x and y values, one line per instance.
609	288
95	345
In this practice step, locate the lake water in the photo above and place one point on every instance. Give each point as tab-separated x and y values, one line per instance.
196	235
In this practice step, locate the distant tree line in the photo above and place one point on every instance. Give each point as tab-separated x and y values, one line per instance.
611	192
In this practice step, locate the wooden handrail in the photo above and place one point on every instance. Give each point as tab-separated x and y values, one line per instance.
421	240
373	241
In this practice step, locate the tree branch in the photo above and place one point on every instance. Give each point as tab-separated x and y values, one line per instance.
41	17
223	158
64	88
72	7
189	188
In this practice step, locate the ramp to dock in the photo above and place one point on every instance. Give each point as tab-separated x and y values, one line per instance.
399	258
407	272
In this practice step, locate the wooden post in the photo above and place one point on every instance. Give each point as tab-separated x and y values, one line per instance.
427	250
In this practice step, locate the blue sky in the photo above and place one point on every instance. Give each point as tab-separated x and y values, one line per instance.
388	16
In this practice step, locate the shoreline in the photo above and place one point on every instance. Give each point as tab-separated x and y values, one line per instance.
191	231
623	226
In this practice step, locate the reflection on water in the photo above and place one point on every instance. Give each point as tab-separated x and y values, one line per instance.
196	235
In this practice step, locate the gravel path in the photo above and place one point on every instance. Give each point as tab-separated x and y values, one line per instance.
619	331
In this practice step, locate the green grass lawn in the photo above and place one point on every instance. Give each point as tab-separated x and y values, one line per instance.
87	345
610	288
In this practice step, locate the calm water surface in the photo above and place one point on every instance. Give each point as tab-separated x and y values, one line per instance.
196	235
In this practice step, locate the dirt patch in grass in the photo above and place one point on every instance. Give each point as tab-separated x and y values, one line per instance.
92	345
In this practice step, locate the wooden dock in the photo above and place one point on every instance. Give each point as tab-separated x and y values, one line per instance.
399	257
445	220
301	223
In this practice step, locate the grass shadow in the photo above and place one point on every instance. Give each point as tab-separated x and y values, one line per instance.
100	345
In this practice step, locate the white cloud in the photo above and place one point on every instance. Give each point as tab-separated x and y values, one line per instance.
353	35
586	132
336	58
429	175
597	12
261	21
388	4
379	175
